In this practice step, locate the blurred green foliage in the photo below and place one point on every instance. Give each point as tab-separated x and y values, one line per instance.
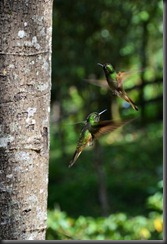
118	177
119	226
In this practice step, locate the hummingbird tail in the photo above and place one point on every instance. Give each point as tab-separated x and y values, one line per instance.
76	155
133	105
131	102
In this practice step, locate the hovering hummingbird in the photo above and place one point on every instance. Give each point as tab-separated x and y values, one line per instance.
115	82
93	129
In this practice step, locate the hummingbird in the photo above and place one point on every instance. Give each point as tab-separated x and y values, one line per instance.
115	82
93	129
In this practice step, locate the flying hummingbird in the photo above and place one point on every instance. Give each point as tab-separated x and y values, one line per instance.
93	129
115	82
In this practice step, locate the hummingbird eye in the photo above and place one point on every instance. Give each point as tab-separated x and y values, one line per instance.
97	118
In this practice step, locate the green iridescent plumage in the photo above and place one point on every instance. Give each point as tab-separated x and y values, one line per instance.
115	82
93	129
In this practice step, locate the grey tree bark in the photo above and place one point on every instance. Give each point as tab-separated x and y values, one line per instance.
25	83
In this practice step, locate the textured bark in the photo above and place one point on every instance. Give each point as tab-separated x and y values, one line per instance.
25	75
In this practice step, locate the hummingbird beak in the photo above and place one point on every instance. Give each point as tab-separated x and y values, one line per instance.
102	111
100	64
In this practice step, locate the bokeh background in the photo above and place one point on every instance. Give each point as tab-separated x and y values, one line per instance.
114	191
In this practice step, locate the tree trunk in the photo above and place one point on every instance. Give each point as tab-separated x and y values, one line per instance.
25	81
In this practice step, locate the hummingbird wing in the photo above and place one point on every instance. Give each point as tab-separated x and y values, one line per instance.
120	77
123	75
107	126
99	83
